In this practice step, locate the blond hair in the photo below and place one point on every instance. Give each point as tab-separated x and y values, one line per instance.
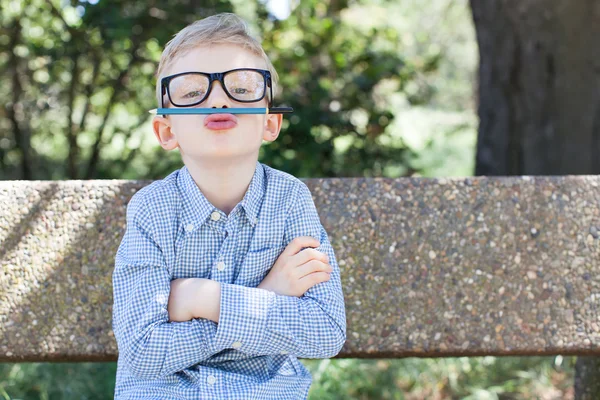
223	28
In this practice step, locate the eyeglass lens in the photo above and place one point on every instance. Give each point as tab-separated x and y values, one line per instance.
242	85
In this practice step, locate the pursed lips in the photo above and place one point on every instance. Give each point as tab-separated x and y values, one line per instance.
220	121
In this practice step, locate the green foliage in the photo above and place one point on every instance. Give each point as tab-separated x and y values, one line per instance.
84	73
331	75
45	381
83	79
476	378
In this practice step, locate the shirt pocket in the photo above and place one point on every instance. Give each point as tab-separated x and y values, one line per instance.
256	266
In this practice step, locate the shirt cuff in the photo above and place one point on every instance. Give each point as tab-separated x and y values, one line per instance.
243	317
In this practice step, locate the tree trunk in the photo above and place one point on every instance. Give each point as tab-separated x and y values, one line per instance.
16	110
539	78
539	100
587	378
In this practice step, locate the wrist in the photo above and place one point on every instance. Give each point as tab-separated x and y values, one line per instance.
207	299
265	286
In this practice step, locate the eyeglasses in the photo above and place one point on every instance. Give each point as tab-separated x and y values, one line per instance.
246	85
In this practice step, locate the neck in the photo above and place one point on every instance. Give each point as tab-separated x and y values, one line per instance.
222	182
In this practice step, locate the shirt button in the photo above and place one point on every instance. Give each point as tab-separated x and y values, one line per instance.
211	379
215	216
220	265
189	227
284	352
236	345
256	220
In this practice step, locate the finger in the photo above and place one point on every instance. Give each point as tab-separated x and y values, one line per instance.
309	254
299	243
311	280
310	267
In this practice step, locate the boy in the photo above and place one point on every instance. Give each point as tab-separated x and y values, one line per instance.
217	285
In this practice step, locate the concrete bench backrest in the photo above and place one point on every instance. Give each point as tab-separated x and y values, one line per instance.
430	267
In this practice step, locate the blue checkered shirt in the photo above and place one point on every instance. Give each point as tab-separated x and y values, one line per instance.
174	232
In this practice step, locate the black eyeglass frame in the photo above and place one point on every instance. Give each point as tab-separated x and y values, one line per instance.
217	76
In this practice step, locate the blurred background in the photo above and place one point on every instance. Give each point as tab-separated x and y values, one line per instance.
379	88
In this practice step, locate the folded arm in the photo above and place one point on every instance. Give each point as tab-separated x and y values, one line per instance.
260	322
151	346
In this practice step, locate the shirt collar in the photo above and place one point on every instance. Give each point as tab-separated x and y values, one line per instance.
196	206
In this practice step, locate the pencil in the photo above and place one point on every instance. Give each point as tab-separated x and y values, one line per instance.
261	110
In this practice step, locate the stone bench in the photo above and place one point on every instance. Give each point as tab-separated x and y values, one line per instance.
430	267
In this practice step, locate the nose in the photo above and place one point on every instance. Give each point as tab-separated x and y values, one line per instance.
217	97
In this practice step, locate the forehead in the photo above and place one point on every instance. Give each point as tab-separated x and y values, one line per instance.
216	58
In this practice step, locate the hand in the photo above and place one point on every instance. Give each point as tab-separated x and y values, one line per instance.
296	271
181	299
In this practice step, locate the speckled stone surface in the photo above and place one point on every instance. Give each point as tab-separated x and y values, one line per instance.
430	267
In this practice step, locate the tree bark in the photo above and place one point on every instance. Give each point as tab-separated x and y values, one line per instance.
539	100
539	85
587	378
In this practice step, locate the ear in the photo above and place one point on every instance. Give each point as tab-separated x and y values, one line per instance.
272	127
164	134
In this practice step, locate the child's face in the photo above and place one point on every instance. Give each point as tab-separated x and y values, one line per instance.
217	141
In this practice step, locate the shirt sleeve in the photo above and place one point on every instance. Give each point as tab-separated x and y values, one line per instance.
261	322
151	346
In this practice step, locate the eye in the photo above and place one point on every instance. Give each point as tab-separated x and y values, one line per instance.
195	93
240	90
